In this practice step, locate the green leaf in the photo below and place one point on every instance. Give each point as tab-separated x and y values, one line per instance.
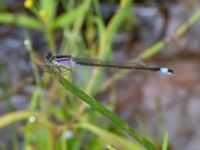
20	20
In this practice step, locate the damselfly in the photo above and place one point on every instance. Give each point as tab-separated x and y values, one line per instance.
67	62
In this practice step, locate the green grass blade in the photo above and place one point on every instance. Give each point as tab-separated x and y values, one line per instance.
111	138
113	26
93	103
180	31
81	16
165	142
152	50
14	117
106	38
20	20
69	17
50	7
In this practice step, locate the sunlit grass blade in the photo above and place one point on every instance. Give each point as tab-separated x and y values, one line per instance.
165	142
14	117
111	138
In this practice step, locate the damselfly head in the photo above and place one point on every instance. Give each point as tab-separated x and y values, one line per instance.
49	57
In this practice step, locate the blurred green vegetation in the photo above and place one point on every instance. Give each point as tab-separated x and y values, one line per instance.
56	118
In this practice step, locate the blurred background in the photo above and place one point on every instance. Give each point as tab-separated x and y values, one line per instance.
157	32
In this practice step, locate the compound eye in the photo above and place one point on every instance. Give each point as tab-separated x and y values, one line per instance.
48	57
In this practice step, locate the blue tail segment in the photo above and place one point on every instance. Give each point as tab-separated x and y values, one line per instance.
166	70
